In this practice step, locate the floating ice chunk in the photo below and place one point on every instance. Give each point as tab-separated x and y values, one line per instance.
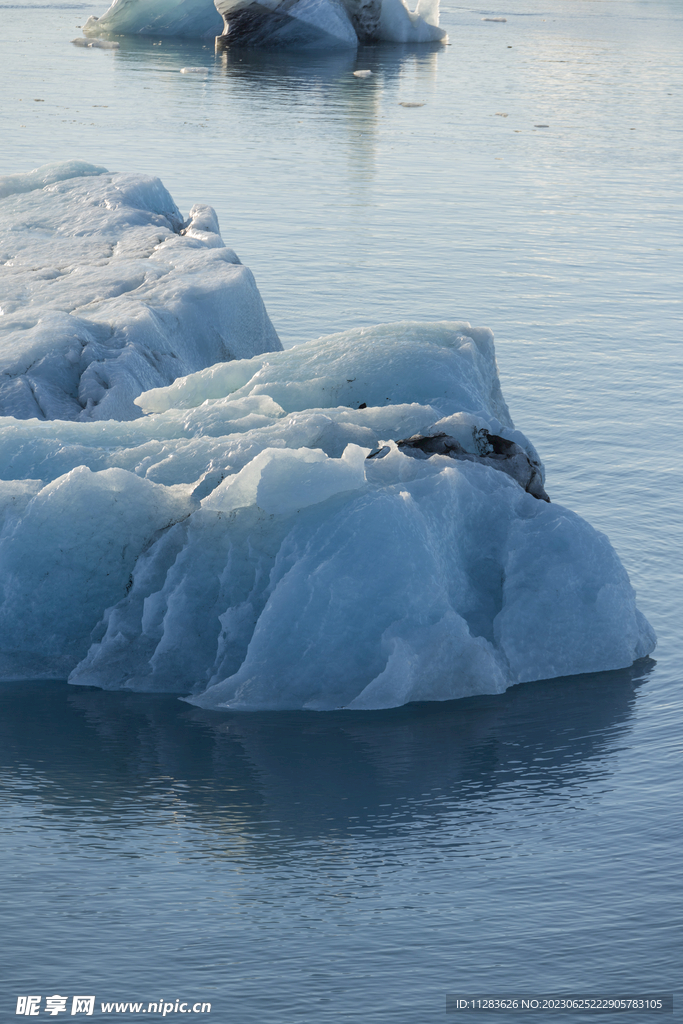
274	23
192	19
494	19
96	44
108	292
194	71
238	544
362	74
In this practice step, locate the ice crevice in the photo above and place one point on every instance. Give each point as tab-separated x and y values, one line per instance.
352	523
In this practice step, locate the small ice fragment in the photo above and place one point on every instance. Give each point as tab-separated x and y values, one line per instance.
96	44
193	71
494	19
362	74
501	115
403	104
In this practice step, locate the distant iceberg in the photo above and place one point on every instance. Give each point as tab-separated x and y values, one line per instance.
324	527
107	291
291	24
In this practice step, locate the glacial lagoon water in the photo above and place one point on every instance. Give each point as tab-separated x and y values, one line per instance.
359	866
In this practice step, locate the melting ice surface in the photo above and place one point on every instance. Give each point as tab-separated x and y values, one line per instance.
235	543
281	23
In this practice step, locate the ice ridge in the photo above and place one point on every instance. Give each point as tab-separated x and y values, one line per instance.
107	291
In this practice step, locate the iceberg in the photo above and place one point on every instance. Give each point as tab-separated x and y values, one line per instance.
107	291
352	523
292	24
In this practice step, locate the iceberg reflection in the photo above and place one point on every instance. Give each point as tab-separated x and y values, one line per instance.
129	761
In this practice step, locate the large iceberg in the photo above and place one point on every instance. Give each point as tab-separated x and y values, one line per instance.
338	525
107	291
274	23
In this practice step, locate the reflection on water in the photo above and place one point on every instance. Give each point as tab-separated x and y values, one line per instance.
318	86
335	866
281	70
82	753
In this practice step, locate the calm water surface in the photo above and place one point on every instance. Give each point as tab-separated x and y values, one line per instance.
326	867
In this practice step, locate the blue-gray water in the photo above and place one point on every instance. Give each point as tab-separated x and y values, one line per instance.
326	867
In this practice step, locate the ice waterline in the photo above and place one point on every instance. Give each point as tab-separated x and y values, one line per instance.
261	536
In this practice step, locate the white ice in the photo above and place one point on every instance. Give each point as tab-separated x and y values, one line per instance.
398	24
106	291
96	44
236	544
